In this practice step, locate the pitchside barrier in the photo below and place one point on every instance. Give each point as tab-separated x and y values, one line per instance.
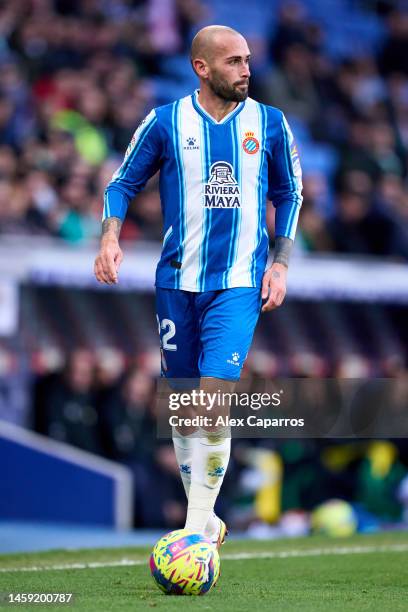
49	481
44	261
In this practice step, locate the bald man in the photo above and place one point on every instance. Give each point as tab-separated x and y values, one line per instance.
221	156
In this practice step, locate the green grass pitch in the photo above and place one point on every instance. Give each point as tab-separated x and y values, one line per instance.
364	572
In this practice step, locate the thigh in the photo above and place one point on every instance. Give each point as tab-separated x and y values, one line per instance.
227	327
179	333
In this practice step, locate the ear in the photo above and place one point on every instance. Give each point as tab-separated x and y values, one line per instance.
200	67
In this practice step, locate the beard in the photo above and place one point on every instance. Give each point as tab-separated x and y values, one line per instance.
225	91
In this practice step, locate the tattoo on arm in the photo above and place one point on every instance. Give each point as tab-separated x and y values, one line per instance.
111	224
283	247
275	274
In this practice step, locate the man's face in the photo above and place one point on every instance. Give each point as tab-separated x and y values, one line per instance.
228	69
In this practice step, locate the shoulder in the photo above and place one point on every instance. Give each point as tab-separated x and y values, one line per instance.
165	112
161	112
272	119
273	114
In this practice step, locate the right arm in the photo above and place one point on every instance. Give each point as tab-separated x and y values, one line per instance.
110	254
142	160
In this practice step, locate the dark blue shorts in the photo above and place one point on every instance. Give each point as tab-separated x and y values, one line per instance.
208	333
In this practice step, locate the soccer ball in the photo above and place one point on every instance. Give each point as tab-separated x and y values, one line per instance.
184	563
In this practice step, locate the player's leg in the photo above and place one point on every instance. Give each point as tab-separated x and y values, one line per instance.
179	345
184	443
226	329
209	462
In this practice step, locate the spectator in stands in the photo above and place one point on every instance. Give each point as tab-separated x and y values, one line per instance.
393	56
64	404
313	232
392	200
357	228
163	503
129	428
291	86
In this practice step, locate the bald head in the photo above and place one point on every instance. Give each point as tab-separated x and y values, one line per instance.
208	40
220	59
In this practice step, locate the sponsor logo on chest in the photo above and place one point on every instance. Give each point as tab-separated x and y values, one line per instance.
222	189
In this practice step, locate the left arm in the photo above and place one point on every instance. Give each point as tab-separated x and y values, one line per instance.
274	279
285	191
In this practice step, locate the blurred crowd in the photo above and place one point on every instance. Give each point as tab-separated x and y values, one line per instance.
359	107
77	77
101	405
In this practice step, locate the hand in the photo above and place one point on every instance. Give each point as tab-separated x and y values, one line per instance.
108	260
274	286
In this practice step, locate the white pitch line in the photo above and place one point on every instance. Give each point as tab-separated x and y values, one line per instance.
68	566
285	554
317	552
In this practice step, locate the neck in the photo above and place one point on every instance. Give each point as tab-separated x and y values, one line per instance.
215	106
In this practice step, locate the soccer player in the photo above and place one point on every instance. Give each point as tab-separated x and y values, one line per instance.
221	156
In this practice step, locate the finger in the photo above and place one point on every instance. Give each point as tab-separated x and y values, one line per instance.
269	305
118	260
278	299
272	301
97	271
109	268
281	298
265	287
100	274
103	273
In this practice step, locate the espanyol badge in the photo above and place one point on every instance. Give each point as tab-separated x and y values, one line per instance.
250	144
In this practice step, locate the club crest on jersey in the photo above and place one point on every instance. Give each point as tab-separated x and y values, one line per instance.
222	190
250	144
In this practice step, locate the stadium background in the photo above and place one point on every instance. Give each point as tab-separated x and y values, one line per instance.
78	362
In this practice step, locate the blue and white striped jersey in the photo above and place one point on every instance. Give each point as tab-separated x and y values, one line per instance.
215	179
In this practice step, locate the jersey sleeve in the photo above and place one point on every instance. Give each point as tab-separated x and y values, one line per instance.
141	161
285	182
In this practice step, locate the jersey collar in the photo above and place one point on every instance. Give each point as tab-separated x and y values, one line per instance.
207	116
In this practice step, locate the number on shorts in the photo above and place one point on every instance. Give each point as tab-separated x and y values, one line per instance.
170	328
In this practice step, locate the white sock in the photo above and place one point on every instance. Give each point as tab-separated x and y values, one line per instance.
210	458
183	448
212	528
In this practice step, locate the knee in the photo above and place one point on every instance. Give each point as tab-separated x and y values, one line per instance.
216	436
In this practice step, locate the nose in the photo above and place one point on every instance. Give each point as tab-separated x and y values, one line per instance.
245	73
